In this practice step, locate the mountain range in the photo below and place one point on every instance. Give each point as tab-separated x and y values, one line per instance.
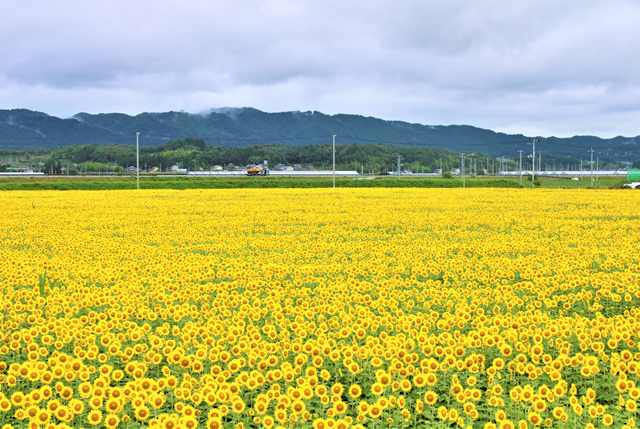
22	129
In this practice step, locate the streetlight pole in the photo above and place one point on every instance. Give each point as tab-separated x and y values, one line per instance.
520	167
137	161
591	167
334	160
463	156
533	164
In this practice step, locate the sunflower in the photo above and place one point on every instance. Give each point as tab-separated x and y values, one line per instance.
355	391
431	379
111	421
319	424
215	423
443	413
5	405
43	417
453	415
375	411
539	405
534	418
430	397
506	424
18	399
63	413
238	406
377	388
419	380
298	407
142	413
267	422
95	417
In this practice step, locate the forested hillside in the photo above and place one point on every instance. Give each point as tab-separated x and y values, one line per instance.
225	128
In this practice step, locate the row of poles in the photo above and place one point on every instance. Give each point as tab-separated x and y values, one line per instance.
462	155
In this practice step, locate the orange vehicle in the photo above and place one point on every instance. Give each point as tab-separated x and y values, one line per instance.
257	171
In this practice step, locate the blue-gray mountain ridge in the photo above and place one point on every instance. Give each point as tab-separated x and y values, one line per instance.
25	129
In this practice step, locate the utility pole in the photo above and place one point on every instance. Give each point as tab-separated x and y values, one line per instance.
520	166
399	159
137	161
462	156
540	162
334	160
533	163
591	166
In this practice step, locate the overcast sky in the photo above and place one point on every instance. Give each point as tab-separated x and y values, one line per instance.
543	67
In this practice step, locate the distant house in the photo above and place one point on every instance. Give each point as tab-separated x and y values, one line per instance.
131	169
310	168
153	170
455	171
217	168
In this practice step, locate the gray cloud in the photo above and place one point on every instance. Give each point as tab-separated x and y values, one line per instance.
543	68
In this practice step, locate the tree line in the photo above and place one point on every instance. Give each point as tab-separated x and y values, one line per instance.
194	153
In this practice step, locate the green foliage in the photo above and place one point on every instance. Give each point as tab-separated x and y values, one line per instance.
51	166
480	172
447	175
196	153
268	182
537	183
42	281
636	164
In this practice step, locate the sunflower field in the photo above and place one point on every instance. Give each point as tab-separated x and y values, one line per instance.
319	308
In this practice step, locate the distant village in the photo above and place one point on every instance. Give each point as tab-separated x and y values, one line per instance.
228	167
114	168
